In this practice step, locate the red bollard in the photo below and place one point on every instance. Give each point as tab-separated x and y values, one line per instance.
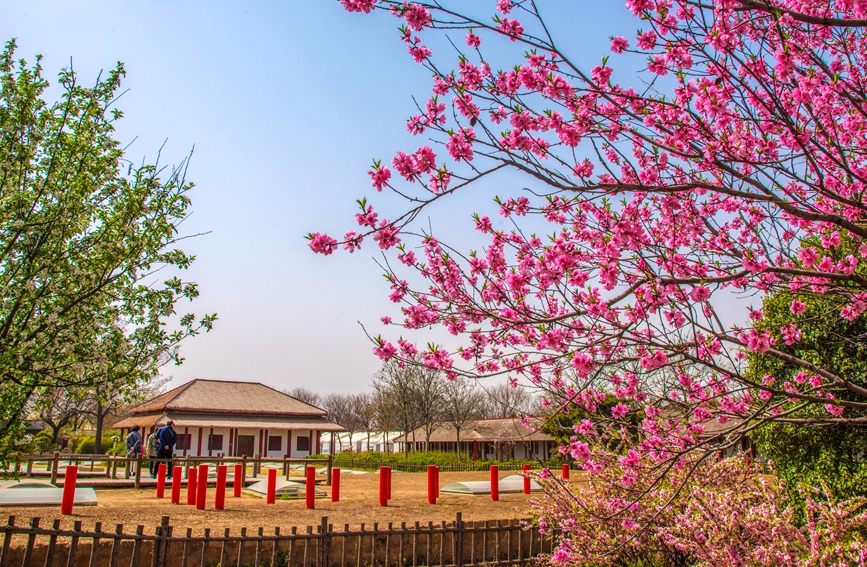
191	486
161	481
220	491
526	479
237	483
271	492
383	486
495	482
565	474
388	484
436	482
335	485
69	480
431	484
176	484
310	487
202	487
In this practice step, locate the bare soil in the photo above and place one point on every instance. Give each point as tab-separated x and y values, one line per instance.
358	504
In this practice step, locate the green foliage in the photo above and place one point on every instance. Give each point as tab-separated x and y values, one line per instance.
812	455
83	234
86	444
42	442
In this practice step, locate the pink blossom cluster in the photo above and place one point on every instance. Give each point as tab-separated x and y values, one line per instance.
645	213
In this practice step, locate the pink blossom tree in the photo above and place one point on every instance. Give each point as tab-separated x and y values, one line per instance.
734	165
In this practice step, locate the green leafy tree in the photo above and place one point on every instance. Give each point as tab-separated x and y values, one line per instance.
830	454
83	236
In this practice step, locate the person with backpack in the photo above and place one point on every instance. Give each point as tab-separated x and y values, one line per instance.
152	447
168	438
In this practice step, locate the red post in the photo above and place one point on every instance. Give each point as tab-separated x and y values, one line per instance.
431	484
161	481
388	483
565	474
310	487
335	485
191	486
271	493
69	480
526	479
220	491
495	482
436	482
177	476
383	486
202	487
237	483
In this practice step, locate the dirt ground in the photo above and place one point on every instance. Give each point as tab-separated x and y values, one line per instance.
358	503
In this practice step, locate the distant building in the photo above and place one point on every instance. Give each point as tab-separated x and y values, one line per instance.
359	441
214	417
501	438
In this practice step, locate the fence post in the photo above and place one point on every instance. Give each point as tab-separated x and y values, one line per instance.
161	544
458	540
138	470
328	470
54	463
324	547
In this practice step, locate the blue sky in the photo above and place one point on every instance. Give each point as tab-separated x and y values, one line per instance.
286	104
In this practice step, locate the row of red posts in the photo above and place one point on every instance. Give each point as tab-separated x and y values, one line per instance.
197	492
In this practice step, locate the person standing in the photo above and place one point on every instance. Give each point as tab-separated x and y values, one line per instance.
168	439
152	446
133	443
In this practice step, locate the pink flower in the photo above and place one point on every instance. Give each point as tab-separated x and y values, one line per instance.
473	40
417	16
420	53
322	243
504	6
511	28
582	363
798	307
384	349
699	293
365	6
352	241
618	44
791	333
460	145
379	177
759	341
619	411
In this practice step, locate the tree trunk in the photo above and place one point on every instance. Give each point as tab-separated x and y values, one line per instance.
97	443
458	444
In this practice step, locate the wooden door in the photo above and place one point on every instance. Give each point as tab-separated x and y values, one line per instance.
245	445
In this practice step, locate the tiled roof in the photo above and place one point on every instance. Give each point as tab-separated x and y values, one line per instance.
226	397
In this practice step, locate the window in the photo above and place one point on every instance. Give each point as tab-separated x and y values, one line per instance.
303	444
184	442
215	443
275	443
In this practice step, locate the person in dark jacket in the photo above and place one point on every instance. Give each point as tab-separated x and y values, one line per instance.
168	439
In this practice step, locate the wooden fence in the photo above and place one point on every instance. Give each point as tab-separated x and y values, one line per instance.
457	467
127	467
457	543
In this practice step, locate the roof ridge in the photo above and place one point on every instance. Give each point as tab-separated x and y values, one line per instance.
180	390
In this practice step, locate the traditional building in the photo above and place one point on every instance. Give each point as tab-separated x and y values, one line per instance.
216	417
501	438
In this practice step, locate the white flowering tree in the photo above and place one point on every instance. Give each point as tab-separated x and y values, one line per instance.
83	235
